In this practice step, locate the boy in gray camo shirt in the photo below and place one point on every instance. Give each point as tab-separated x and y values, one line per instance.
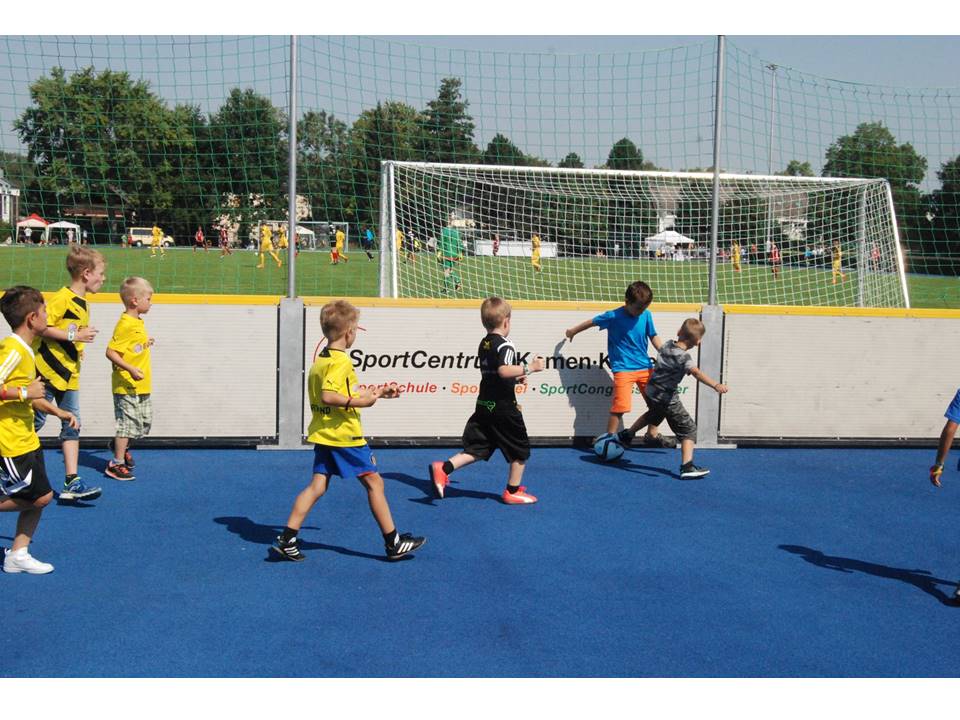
663	400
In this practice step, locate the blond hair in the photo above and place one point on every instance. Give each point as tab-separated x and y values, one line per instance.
81	258
134	287
336	317
691	330
494	311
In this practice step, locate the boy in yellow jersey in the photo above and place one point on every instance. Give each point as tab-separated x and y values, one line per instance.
156	241
535	252
24	487
735	255
340	448
266	246
60	354
129	351
337	254
400	244
836	255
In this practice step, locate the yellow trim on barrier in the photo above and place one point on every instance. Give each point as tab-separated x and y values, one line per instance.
474	304
185	299
935	313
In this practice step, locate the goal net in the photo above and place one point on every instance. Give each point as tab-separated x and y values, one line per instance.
584	235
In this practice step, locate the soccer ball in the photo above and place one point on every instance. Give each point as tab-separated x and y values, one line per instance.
608	448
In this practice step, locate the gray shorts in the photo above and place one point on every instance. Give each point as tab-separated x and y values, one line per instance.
676	415
134	415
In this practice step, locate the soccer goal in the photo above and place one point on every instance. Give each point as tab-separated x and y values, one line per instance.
584	235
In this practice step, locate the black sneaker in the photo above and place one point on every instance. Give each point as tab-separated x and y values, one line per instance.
689	471
288	550
658	441
405	545
626	437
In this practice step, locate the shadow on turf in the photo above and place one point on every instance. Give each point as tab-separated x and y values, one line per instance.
920	579
624	464
257	534
426	487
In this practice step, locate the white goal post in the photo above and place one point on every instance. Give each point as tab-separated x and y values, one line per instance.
584	235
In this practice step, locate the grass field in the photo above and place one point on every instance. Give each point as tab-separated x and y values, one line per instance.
184	271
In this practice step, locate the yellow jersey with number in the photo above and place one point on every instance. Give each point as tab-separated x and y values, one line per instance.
131	341
58	361
333	425
17	369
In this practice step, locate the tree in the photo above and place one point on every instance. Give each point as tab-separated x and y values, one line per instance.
501	151
571	160
624	155
325	171
943	239
101	139
246	149
389	131
795	168
446	128
872	152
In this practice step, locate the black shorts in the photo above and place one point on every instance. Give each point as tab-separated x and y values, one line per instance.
676	415
487	431
25	476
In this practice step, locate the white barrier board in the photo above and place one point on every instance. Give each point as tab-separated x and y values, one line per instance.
214	372
431	354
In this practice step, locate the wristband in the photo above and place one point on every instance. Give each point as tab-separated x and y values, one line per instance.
23	393
525	371
71	334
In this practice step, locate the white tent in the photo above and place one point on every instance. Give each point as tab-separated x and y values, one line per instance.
32	222
667	238
307	236
62	224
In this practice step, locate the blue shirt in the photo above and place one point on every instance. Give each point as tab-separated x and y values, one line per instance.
627	338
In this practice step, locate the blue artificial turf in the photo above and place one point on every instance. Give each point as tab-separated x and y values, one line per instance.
779	563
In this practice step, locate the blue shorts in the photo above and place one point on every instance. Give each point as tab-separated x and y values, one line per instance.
68	400
343	461
953	412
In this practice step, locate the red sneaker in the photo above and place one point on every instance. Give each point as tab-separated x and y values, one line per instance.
520	497
438	477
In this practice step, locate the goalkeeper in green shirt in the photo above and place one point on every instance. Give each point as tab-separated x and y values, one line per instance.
450	253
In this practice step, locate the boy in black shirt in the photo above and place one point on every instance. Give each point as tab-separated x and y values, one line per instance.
497	421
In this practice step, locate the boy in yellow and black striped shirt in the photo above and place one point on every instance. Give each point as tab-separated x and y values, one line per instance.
60	353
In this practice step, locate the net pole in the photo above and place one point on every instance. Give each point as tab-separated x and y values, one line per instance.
715	202
896	242
861	246
292	176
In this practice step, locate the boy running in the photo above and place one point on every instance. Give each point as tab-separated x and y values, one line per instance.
266	246
156	241
24	487
339	445
497	423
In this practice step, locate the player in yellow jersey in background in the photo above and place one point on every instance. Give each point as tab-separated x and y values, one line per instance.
735	255
266	246
156	241
836	256
336	255
535	252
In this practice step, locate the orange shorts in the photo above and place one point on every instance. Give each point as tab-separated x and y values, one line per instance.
623	383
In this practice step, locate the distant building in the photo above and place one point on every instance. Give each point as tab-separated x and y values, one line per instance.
9	201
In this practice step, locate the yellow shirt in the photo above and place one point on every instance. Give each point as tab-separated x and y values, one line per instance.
59	360
266	239
399	240
535	242
157	236
837	255
131	341
340	239
283	239
336	426
17	369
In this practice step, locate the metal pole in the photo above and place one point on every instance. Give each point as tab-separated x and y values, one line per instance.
715	206
292	177
773	101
